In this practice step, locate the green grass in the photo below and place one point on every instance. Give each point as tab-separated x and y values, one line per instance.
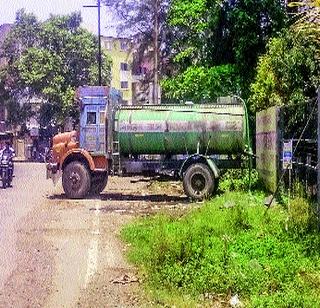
230	245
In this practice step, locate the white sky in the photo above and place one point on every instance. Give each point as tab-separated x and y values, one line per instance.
43	8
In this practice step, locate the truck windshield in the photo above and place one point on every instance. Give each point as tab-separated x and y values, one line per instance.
91	118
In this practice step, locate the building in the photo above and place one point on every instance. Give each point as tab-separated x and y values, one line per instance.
121	52
131	74
143	79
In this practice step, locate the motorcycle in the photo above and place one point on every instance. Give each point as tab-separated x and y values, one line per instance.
6	170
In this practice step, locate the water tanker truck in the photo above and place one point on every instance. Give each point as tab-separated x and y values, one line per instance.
189	141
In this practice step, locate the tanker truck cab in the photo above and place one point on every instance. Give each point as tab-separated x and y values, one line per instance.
81	156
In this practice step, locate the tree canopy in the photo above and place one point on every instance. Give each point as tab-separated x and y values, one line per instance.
211	33
288	73
49	60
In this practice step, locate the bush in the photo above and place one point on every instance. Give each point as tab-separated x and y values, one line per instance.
301	217
238	180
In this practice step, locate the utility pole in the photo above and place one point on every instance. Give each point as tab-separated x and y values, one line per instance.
156	54
99	40
318	153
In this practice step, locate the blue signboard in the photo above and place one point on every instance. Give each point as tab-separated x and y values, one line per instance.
287	155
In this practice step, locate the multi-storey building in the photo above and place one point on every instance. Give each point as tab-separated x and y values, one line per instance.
131	73
121	52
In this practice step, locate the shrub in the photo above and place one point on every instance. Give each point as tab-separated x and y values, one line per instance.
238	180
301	216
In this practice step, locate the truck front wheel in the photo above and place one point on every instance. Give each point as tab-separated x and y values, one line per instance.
76	180
98	182
198	181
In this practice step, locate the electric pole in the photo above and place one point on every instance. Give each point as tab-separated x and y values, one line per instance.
156	54
99	41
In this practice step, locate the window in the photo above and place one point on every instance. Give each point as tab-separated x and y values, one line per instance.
124	85
108	45
142	70
124	45
91	118
124	66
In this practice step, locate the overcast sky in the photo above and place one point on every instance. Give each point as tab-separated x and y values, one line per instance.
43	8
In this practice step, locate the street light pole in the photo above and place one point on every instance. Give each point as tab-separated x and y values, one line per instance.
99	41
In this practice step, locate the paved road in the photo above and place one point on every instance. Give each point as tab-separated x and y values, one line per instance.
16	202
57	252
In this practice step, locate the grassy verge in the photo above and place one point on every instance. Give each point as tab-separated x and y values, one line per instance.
231	245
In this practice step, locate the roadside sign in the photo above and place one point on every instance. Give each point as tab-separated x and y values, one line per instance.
287	155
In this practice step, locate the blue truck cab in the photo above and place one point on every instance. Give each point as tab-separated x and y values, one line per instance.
94	103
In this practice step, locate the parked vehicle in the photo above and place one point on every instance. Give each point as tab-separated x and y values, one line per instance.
6	169
191	141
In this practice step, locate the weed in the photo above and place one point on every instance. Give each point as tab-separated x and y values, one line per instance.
232	245
238	180
301	216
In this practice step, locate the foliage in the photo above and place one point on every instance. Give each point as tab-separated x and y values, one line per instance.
230	245
50	60
17	112
301	216
308	19
287	73
213	33
202	84
238	180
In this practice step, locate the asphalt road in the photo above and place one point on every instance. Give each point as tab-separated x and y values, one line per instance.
57	252
29	187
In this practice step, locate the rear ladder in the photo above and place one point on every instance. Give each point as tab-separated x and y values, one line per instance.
116	161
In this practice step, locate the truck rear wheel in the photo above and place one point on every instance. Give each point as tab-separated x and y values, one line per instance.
98	182
76	180
198	181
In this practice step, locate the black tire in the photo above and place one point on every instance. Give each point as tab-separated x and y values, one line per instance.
10	177
4	179
198	182
98	183
76	180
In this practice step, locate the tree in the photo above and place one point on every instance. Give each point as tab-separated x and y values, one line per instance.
50	60
207	83
308	14
288	75
211	33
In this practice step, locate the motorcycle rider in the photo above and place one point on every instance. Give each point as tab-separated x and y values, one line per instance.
9	151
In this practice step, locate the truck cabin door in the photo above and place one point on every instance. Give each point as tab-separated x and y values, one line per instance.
93	128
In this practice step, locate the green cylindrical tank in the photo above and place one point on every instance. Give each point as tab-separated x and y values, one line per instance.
180	129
